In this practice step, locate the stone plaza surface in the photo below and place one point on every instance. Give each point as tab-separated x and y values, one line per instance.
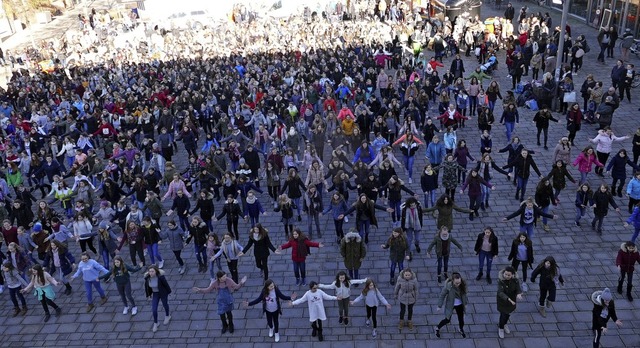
587	263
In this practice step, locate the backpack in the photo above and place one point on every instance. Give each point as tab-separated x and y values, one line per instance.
519	88
585	47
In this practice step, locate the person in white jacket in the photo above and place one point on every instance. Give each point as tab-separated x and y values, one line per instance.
315	300
372	299
342	286
603	142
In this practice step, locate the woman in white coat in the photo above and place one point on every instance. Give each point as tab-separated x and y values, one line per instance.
315	300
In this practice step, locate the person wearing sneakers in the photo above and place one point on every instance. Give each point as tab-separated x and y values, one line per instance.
342	286
549	273
603	310
406	291
176	237
521	253
44	291
121	274
58	258
90	270
151	236
315	300
225	287
372	299
509	291
455	294
487	249
270	297
157	288
14	282
627	257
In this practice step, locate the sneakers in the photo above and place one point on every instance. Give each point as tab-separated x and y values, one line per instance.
167	319
410	181
160	264
155	327
488	279
546	227
479	276
125	310
439	279
525	287
501	333
103	300
181	270
506	329
437	331
270	332
368	322
629	297
134	311
303	282
410	325
374	333
90	307
297	281
339	321
277	337
346	219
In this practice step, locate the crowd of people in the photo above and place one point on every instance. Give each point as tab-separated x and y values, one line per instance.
303	119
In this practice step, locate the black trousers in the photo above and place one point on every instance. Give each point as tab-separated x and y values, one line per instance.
459	313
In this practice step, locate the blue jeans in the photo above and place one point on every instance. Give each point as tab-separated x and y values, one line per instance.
430	198
580	213
583	177
363	228
446	264
88	289
413	238
635	234
408	164
485	193
482	256
397	212
155	301
545	210
528	229
201	253
509	127
297	203
154	253
492	104
254	220
300	269
400	266
105	258
212	272
522	185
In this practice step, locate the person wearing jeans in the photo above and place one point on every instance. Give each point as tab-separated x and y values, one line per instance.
151	233
90	270
299	245
121	275
509	291
14	282
411	223
510	117
135	238
157	288
398	252
522	166
487	249
442	242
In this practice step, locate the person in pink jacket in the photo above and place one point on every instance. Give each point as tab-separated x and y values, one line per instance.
585	161
174	186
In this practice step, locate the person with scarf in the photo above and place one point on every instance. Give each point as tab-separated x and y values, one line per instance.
231	250
411	223
259	239
300	246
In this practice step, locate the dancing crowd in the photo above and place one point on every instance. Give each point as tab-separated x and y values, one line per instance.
299	120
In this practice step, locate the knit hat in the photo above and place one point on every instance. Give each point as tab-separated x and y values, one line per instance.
37	227
103	225
606	295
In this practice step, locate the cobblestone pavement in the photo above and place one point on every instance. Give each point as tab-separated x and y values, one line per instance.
586	261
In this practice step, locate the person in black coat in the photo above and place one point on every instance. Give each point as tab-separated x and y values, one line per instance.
603	310
509	12
252	159
259	239
549	273
270	292
617	166
487	249
524	162
157	288
529	213
66	259
233	212
292	186
601	200
457	67
181	206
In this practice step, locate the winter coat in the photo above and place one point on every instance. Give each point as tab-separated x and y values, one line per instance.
163	286
475	185
66	261
493	240
562	152
286	209
435	152
398	248
633	188
199	233
618	167
175	237
260	247
598	322
626	259
507	290
448	297
437	242
583	198
449	174
524	165
231	210
547	281
406	291
557	177
353	250
299	248
603	141
445	214
406	210
315	301
602	201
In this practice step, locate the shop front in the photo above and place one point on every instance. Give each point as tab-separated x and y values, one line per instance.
622	14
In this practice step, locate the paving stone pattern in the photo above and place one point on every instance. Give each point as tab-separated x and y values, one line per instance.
586	261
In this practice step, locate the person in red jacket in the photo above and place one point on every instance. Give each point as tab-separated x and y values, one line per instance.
627	257
299	244
451	117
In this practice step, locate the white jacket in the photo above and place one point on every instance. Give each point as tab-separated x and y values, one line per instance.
315	301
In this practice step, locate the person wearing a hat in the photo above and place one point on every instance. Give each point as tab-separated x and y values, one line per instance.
603	310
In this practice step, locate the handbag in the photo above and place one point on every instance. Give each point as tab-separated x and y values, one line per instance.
569	97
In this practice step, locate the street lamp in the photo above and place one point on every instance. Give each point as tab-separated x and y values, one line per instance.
563	26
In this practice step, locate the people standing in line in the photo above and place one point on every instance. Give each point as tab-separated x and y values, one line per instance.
315	300
509	291
270	297
406	292
454	293
602	198
225	288
627	257
550	276
300	247
442	242
259	239
521	254
603	310
342	285
372	299
398	252
90	270
486	248
42	282
121	274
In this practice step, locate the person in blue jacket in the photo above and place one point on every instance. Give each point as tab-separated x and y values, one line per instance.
435	152
633	190
635	220
617	166
364	153
338	208
90	270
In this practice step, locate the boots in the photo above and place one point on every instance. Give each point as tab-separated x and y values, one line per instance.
542	311
488	279
629	297
320	337
410	324
471	216
314	330
619	287
24	310
479	276
225	325
67	290
517	194
16	311
400	324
